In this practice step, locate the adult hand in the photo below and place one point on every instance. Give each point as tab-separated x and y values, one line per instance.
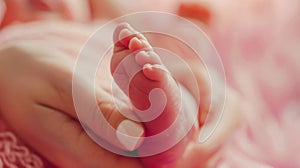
36	102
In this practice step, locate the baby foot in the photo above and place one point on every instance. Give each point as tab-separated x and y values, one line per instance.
136	65
138	71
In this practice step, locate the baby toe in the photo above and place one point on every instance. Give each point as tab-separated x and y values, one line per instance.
144	57
156	72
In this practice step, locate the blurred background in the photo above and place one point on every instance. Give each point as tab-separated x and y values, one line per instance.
258	41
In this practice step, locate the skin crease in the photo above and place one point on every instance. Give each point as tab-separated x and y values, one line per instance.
52	119
39	113
141	84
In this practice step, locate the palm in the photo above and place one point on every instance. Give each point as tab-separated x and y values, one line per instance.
37	104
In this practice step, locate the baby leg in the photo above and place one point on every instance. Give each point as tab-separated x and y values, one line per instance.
138	71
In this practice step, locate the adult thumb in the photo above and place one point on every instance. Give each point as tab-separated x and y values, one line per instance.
102	116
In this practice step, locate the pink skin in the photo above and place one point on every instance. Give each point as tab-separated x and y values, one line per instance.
153	75
187	152
36	103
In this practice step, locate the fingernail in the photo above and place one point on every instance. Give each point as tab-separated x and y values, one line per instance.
130	134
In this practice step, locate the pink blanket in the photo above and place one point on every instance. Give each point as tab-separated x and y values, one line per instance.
258	41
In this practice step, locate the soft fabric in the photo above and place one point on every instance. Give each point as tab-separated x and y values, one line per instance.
259	44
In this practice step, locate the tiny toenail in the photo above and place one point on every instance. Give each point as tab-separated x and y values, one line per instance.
148	66
159	66
124	33
130	31
151	53
131	28
140	35
146	44
144	53
137	39
126	24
